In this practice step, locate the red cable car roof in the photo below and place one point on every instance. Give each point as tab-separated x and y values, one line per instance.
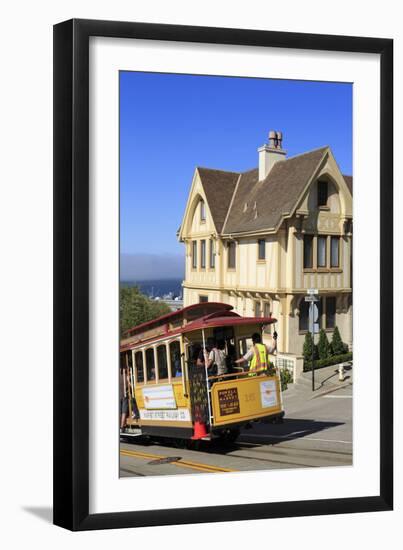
169	317
220	315
222	320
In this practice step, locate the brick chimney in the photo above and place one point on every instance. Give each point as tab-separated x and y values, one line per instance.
270	153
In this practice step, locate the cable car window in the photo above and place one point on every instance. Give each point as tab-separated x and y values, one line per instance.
139	367
162	362
150	364
175	352
129	359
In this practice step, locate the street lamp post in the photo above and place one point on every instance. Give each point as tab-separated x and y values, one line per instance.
312	298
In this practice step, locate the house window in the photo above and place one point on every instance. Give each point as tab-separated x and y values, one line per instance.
334	252
321	260
231	255
330	312
203	299
150	364
139	367
266	309
303	315
308	251
261	243
322	193
212	254
194	254
203	254
327	255
257	309
202	211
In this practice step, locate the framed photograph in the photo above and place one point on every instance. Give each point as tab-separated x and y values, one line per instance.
223	293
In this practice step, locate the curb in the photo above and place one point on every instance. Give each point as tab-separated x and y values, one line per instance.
331	390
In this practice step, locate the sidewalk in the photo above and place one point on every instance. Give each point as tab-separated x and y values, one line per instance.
326	381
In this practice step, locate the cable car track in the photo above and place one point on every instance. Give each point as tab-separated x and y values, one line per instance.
291	458
198	466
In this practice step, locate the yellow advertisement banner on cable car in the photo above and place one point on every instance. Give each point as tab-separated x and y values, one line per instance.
159	397
240	400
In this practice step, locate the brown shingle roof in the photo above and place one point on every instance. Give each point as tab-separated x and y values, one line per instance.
219	187
349	181
260	204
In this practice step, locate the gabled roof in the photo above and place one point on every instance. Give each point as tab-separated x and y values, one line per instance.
349	182
239	202
261	204
219	187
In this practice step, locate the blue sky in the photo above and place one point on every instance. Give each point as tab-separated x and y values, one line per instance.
169	124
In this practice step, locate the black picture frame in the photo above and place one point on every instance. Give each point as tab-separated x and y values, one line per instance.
71	273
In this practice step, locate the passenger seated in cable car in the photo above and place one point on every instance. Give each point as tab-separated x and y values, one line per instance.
176	365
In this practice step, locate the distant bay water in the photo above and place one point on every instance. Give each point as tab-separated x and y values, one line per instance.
158	287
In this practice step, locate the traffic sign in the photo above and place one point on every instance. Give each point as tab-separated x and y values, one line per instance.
313	291
313	318
311	298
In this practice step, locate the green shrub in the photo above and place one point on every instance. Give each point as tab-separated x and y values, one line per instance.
323	345
308	346
285	378
334	360
337	343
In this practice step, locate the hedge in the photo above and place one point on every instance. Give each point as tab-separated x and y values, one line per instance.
328	361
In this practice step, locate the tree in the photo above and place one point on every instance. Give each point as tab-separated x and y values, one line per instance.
323	345
338	347
136	308
308	347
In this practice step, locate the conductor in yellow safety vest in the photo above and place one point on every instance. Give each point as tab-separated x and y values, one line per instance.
257	356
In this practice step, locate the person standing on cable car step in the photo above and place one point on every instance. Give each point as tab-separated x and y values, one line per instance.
204	353
123	398
258	354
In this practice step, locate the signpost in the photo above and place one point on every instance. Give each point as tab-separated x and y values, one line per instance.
312	298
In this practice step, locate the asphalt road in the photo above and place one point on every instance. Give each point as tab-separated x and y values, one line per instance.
316	433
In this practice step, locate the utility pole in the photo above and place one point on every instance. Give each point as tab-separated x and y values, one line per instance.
312	298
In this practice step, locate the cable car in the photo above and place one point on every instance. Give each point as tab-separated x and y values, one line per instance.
170	395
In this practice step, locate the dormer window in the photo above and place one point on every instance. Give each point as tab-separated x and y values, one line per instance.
322	193
202	211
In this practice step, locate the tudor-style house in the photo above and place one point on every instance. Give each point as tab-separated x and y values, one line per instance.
259	239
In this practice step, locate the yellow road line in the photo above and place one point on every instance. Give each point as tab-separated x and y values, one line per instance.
139	454
179	463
